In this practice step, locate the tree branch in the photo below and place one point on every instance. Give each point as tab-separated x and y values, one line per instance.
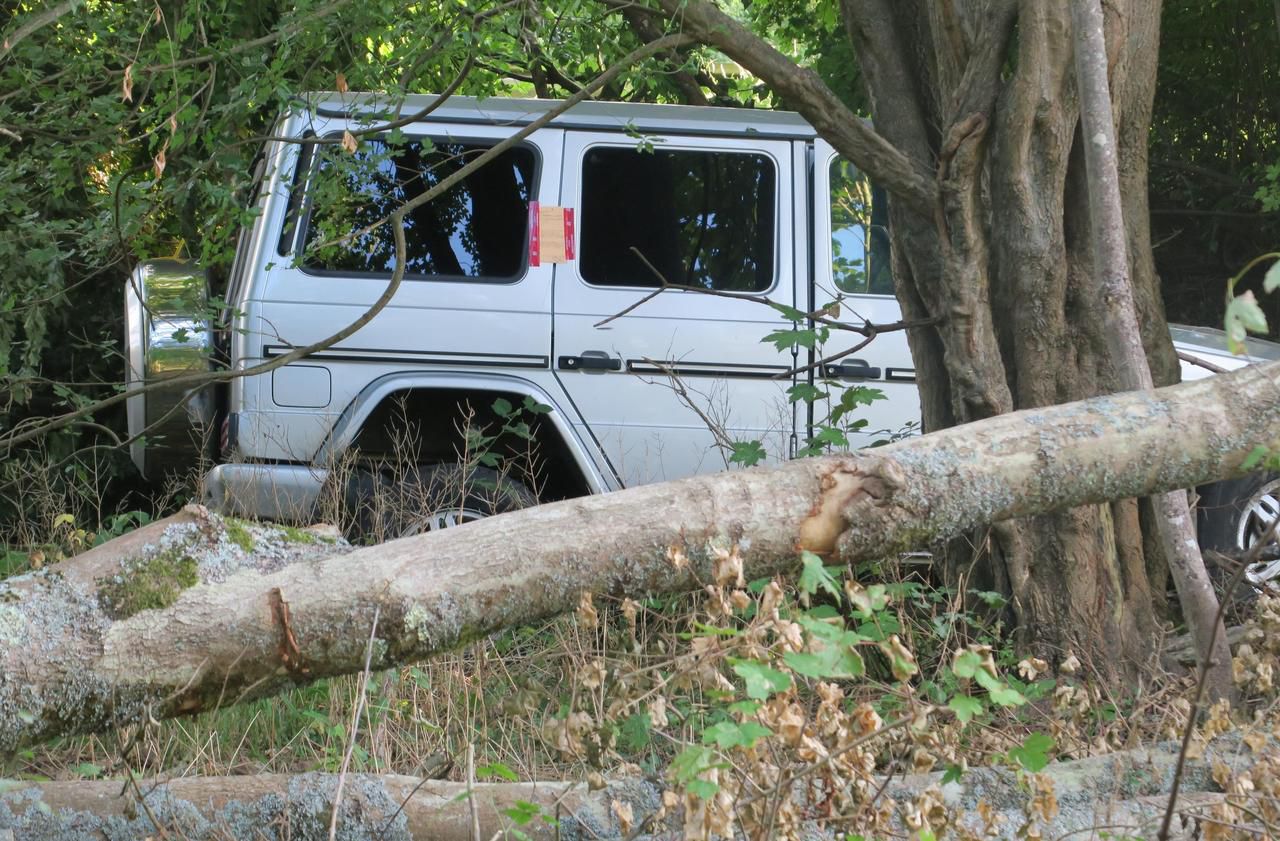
99	665
35	23
852	136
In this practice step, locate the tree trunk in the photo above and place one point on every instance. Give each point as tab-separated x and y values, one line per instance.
1125	792
1172	522
390	807
198	613
994	246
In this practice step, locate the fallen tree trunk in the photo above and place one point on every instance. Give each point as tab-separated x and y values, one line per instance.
373	806
106	639
1126	793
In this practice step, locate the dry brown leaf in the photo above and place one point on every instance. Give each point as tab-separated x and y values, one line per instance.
622	811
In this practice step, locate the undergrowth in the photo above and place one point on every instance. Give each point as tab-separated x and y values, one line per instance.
729	695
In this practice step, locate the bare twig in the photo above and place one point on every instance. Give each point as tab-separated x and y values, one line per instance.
471	792
1195	360
820	315
355	725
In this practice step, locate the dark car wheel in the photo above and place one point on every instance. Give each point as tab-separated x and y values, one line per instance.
385	506
1234	516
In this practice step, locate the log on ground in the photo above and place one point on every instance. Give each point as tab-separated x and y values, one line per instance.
160	631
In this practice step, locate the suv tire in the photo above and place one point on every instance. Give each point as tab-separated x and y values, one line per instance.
383	506
1233	516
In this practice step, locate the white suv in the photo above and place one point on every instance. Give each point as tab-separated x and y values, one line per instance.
497	313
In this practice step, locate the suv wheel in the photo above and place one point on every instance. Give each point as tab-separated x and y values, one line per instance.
1235	515
429	497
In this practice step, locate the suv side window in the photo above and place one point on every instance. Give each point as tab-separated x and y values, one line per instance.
859	232
475	230
701	218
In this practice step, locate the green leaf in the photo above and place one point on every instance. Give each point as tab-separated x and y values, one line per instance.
531	405
783	339
691	762
1243	317
635	731
522	812
1033	754
867	600
815	576
747	453
761	680
952	774
704	789
497	769
730	734
789	313
502	407
1256	455
965	707
829	662
998	691
724	734
806	392
1271	280
967	664
830	436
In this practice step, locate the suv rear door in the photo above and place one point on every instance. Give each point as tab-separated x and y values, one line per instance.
470	302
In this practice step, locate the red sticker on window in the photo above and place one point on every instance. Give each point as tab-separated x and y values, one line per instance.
550	234
533	235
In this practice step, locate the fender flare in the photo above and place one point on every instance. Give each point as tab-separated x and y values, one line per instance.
586	454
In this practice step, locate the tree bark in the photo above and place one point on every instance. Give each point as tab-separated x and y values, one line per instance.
184	618
1173	523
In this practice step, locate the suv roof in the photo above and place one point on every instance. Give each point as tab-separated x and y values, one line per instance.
676	119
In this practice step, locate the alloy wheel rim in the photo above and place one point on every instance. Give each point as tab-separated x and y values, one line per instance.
1256	522
444	518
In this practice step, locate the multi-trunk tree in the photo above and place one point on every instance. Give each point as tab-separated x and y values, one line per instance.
977	137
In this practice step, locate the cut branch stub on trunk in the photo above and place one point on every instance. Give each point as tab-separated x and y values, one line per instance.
76	660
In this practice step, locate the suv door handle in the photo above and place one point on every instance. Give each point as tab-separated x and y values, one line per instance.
854	369
590	360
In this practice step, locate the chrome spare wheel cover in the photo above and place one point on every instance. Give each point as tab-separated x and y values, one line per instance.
1255	523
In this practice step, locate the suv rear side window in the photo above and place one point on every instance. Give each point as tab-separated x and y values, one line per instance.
476	229
700	218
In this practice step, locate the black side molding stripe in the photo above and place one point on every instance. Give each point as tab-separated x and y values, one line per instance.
349	354
685	368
